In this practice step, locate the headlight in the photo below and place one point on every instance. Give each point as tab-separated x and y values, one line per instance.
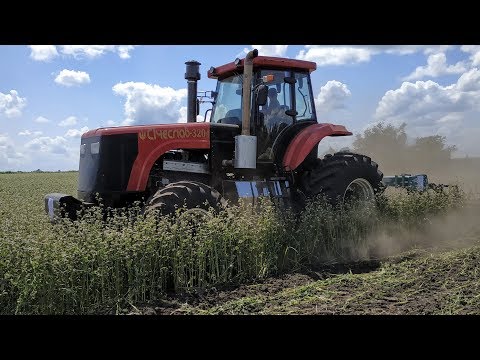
95	148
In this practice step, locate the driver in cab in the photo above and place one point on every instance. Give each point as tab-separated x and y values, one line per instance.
273	107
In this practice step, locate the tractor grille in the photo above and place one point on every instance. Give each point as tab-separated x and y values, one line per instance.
109	169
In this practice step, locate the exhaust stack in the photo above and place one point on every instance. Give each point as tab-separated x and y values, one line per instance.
192	74
245	144
247	92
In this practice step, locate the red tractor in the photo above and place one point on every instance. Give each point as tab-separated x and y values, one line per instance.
262	140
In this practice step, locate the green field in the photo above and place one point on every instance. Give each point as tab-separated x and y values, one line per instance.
242	261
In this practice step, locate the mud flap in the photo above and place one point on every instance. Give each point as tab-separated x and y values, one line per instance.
61	205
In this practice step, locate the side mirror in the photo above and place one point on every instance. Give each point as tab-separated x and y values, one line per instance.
262	95
198	107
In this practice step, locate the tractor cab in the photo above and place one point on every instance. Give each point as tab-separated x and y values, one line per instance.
281	99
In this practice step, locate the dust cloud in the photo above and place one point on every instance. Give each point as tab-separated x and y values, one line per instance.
459	228
396	154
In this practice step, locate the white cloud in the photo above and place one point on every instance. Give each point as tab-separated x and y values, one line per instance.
30	133
429	108
433	49
427	99
335	142
183	115
46	144
69	121
269	50
71	77
11	104
111	123
73	133
474	50
150	104
124	51
436	66
95	51
351	54
43	52
41	120
332	96
88	51
9	157
49	52
4	139
334	55
470	82
46	153
409	49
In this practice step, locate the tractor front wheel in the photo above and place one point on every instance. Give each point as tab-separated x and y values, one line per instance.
191	197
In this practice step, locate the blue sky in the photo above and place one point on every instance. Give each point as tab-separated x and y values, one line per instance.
50	94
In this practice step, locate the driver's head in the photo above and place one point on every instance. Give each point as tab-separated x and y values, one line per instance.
272	93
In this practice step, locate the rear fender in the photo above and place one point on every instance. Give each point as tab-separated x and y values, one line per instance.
304	142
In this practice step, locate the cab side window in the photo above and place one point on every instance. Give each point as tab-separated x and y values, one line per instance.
303	98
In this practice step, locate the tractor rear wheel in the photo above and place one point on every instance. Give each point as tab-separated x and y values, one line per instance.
193	197
341	178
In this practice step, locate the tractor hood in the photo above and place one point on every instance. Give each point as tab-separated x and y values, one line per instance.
120	158
156	132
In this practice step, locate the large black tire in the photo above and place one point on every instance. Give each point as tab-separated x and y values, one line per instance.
191	194
334	174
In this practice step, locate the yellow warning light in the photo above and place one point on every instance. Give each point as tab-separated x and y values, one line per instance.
268	78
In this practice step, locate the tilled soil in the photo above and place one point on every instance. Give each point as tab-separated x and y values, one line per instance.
176	304
205	299
427	280
416	282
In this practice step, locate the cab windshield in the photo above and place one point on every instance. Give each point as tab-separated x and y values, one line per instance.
228	103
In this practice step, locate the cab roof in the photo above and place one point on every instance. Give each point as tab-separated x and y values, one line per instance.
264	62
